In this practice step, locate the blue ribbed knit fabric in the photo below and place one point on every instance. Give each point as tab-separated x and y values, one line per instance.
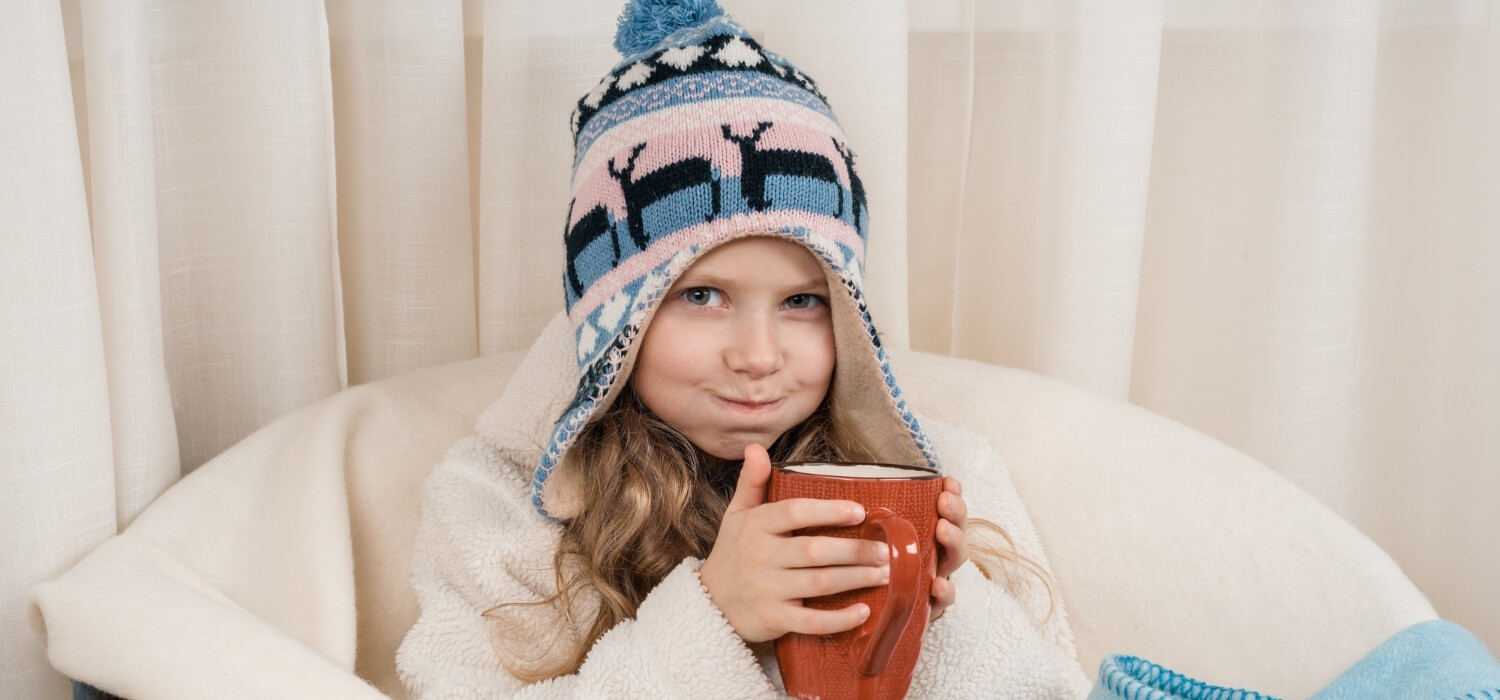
1132	678
1435	660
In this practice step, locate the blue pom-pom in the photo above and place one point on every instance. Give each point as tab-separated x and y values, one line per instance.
644	23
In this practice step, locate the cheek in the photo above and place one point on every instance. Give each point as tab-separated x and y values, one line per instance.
668	354
658	382
820	357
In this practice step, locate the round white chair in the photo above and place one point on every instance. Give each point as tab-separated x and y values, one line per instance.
280	568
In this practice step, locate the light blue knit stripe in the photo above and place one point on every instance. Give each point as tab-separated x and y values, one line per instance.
690	89
692	205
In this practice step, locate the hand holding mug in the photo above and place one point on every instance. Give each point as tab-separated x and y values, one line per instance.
903	505
952	550
759	570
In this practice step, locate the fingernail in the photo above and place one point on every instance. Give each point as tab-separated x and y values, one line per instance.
864	613
882	555
859	512
885	574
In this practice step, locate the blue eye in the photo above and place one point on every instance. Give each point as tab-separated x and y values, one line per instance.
703	296
804	301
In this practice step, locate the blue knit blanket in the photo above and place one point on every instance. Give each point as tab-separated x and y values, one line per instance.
1437	660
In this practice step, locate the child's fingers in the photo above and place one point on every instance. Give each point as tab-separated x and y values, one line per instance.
955	551
805	620
952	507
954	514
805	552
828	580
783	517
750	491
943	595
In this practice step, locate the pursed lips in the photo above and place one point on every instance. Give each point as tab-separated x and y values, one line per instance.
749	406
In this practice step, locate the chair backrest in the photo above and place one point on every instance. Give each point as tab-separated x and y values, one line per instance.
411	422
1165	543
1170	545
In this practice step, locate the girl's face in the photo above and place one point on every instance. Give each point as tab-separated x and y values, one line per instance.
741	349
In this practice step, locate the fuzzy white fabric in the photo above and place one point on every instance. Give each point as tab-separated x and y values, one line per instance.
241	580
482	543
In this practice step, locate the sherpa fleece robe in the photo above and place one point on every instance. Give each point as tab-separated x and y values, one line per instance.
482	543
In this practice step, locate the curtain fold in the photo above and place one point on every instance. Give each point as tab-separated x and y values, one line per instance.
1264	139
538	59
406	244
1426	462
1042	214
122	176
1274	222
246	215
57	475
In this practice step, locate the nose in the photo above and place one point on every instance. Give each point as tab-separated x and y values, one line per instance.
755	349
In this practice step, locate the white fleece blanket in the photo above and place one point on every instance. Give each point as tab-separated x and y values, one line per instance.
481	543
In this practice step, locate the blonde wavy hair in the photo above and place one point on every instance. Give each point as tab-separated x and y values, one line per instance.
656	499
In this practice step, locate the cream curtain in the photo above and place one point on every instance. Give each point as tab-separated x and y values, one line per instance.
1275	222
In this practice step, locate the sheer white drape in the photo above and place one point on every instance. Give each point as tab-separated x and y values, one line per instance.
1275	222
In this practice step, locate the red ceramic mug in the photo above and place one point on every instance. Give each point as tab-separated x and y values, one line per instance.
876	659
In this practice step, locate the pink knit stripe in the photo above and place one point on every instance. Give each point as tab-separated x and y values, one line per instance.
699	115
662	249
602	187
707	142
794	137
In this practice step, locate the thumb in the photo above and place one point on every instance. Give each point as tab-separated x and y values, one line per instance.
751	489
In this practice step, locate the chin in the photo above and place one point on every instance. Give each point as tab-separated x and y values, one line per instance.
727	453
736	450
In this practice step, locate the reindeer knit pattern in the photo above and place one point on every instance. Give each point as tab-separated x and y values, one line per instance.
699	139
700	135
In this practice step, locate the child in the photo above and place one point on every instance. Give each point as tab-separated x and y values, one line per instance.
605	535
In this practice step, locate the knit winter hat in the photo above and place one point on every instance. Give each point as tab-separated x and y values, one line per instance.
700	136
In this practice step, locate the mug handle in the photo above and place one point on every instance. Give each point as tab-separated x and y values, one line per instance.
901	593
